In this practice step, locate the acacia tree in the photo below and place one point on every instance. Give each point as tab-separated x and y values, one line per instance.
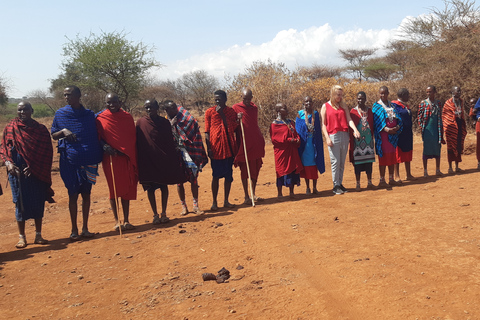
107	62
356	60
199	87
380	70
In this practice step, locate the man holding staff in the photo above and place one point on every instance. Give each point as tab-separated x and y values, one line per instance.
253	147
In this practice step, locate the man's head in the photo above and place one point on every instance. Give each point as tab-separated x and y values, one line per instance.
456	92
383	91
24	111
170	108
431	91
151	107
308	104
282	111
72	95
220	98
112	102
247	97
403	94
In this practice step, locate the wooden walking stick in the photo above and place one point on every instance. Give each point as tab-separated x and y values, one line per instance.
115	195
246	160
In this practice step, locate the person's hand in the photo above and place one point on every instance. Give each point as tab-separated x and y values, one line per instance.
109	150
12	168
393	130
69	135
27	172
356	134
240	115
329	142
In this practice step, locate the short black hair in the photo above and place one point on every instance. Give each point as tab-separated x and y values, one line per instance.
402	92
167	102
153	103
362	93
221	93
75	90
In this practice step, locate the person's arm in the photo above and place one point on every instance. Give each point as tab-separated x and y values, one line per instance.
209	146
323	112
64	133
351	124
208	122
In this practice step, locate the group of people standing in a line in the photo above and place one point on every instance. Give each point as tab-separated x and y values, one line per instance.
160	151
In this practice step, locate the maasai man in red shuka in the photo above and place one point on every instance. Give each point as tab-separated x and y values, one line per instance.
186	132
255	143
455	129
116	130
286	142
27	151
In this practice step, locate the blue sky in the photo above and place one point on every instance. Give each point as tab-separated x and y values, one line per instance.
222	37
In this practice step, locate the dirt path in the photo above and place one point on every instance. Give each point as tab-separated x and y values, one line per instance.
411	252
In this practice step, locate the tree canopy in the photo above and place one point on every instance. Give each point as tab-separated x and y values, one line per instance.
107	62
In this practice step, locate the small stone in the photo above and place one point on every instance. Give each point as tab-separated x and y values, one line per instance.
80	277
88	252
182	231
232	311
239	267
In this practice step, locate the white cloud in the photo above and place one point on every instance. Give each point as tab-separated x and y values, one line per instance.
294	48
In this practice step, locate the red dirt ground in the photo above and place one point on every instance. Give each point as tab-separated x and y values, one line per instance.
411	252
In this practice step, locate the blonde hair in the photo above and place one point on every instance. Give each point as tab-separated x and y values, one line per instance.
333	91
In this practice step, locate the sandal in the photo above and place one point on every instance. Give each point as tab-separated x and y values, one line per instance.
156	219
128	226
87	234
117	227
74	237
185	211
22	243
197	210
228	205
40	240
164	219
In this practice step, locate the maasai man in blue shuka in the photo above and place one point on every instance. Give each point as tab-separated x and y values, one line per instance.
80	152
